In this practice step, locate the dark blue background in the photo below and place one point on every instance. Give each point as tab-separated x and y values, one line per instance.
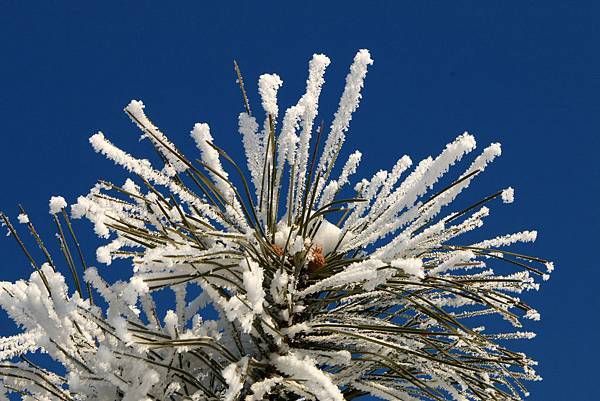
522	73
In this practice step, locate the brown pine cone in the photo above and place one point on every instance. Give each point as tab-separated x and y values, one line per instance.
318	259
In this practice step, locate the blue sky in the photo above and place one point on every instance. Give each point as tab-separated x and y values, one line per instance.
526	74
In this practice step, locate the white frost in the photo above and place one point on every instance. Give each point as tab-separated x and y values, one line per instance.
57	203
508	195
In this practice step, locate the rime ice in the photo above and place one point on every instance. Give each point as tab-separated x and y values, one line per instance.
57	203
325	286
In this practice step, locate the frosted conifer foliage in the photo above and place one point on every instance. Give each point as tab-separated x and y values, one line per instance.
325	287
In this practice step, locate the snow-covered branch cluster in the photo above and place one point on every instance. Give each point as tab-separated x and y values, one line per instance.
321	289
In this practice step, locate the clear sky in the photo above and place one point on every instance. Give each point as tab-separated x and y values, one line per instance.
526	74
